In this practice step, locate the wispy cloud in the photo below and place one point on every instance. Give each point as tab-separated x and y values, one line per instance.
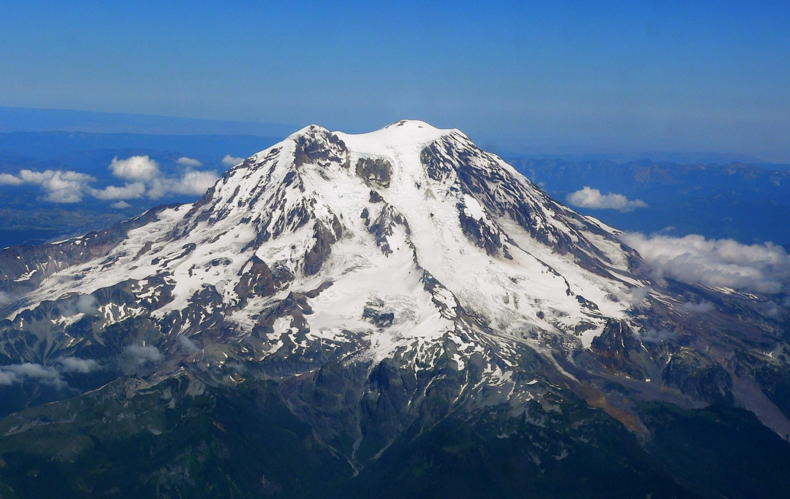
134	190
702	307
143	353
49	375
120	205
88	304
82	304
187	345
593	199
17	373
77	365
761	268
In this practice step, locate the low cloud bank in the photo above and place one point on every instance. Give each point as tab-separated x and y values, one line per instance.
59	186
595	200
17	373
761	268
48	375
142	176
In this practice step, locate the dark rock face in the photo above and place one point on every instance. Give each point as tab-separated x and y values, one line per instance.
480	233
375	197
384	225
374	313
256	280
318	146
698	377
324	238
436	165
618	349
375	172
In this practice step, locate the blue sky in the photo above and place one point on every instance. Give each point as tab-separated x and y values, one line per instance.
576	76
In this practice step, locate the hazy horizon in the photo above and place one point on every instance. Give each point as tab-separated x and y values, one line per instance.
658	76
17	119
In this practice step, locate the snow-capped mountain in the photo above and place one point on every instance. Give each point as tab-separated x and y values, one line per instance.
388	270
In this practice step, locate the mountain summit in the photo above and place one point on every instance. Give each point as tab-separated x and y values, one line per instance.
377	287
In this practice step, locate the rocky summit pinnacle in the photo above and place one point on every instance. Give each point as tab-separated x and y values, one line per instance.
384	282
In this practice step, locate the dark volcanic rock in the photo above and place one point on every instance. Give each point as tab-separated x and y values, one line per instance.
320	147
479	232
375	172
256	279
315	257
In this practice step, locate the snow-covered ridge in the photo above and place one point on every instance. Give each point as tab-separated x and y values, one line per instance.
394	238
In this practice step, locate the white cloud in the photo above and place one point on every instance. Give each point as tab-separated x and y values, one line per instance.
229	161
191	183
192	163
88	304
702	307
593	199
187	344
159	188
134	190
7	179
121	205
77	365
143	353
82	304
761	268
60	186
194	183
135	168
5	298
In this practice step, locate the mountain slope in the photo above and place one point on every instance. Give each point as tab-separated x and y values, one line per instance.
389	284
